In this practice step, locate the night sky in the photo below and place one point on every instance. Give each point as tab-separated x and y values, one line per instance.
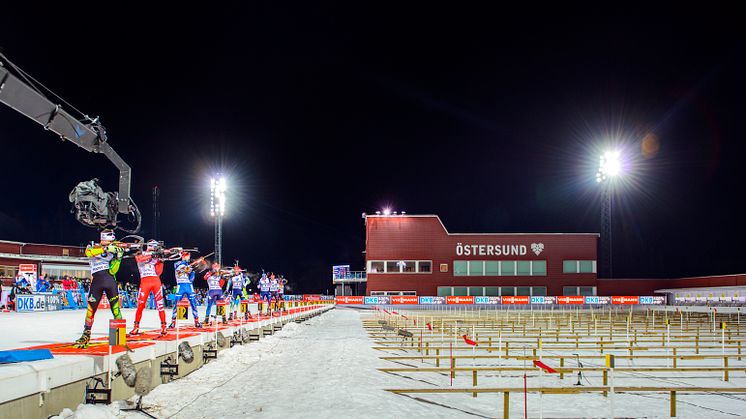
491	118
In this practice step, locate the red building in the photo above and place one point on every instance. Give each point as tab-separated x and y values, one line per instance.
416	255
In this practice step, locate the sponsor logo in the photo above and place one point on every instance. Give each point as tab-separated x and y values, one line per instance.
491	250
518	299
459	299
537	300
632	299
486	300
570	299
426	300
350	299
405	299
537	248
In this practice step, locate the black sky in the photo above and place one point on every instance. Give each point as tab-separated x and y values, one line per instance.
491	118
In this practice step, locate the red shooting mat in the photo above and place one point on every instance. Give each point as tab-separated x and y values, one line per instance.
96	348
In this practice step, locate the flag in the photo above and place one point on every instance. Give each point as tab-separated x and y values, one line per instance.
429	327
469	341
544	366
415	322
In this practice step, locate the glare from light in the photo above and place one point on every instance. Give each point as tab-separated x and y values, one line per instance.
387	211
610	165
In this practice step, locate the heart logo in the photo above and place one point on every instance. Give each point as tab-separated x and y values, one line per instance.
537	248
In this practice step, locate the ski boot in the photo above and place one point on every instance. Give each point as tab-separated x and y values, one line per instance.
172	325
207	321
82	343
230	318
197	324
135	330
225	321
163	329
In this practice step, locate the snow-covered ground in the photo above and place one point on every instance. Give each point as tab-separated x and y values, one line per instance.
327	368
20	330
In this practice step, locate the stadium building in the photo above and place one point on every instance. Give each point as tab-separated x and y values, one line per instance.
417	255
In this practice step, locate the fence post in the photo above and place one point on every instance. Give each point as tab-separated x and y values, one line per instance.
673	404
696	343
474	381
437	358
506	405
606	381
725	366
453	366
674	357
562	364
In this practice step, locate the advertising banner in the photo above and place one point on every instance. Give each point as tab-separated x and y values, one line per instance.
349	299
653	300
377	300
404	299
486	300
541	299
26	303
570	299
311	297
433	300
28	271
451	299
627	299
515	299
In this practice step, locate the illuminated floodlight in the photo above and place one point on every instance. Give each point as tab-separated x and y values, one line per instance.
387	211
609	166
378	212
218	187
402	213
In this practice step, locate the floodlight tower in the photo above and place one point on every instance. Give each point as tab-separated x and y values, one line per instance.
609	167
218	188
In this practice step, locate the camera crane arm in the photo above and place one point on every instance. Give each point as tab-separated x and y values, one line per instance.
89	135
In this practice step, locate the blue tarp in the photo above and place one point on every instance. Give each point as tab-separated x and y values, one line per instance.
23	355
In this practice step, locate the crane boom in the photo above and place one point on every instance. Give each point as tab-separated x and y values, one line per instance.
90	136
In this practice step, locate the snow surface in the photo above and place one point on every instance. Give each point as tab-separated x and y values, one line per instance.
326	367
20	330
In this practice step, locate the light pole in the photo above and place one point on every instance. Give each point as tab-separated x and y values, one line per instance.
218	188
609	167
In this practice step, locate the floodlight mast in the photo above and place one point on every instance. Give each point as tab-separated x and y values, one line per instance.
218	187
610	167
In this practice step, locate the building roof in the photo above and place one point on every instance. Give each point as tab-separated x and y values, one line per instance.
393	216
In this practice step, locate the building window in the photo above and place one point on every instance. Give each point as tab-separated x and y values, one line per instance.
491	268
524	268
476	291
586	267
459	268
392	266
460	291
578	266
375	267
476	268
507	291
538	267
444	291
444	267
492	291
522	290
507	267
569	267
424	266
587	291
539	291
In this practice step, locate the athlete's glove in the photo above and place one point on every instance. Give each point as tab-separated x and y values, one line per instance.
113	249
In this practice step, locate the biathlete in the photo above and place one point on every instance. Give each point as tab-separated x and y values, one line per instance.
236	284
264	293
274	285
281	293
184	272
214	291
150	267
104	259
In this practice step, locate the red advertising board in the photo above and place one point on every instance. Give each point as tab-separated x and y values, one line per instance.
627	299
459	299
517	299
349	299
571	299
405	299
311	297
